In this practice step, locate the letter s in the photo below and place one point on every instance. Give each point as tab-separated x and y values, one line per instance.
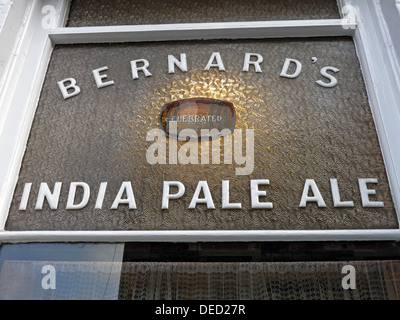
324	72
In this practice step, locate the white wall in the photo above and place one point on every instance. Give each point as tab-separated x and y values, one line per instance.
13	16
4	8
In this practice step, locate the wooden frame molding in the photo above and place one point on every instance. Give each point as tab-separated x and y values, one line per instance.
197	31
379	64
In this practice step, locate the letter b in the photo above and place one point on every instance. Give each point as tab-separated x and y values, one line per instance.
71	86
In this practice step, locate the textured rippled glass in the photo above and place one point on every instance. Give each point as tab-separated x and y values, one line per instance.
94	280
376	280
125	12
302	131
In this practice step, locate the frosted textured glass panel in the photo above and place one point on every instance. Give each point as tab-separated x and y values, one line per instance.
125	12
301	131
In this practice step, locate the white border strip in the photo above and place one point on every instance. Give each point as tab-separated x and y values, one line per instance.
196	31
380	71
13	35
198	236
19	112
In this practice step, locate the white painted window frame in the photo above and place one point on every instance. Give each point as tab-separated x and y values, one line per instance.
29	63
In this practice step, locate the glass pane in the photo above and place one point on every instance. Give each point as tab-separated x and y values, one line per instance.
375	280
293	134
60	271
130	12
57	271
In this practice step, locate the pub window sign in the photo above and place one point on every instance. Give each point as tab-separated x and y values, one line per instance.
204	135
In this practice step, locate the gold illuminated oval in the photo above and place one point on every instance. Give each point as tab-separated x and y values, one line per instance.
198	118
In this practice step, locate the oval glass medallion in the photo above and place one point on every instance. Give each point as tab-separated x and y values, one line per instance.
198	118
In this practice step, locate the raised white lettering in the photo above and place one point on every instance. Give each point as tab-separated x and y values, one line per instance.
219	64
68	90
202	186
247	62
135	68
72	192
317	197
99	78
286	65
256	194
225	197
166	196
126	187
333	81
172	62
365	192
